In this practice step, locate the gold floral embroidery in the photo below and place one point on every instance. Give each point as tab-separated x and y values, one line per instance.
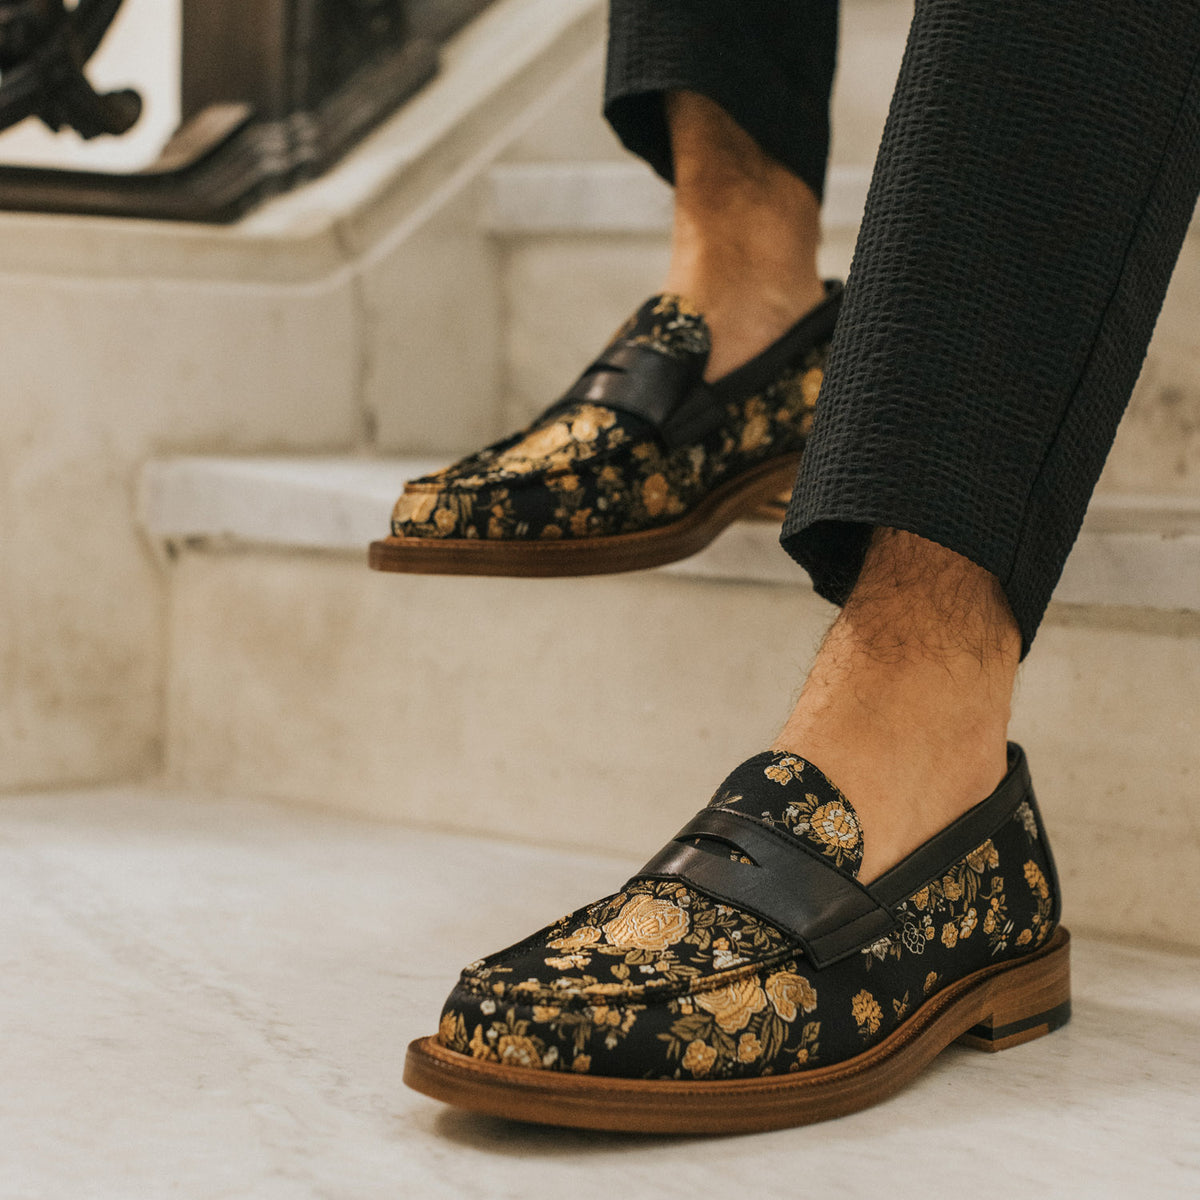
479	1047
756	432
415	507
749	1048
585	935
790	993
784	769
1036	880
866	1011
452	1031
699	1058
647	923
835	826
655	494
734	1004
514	1051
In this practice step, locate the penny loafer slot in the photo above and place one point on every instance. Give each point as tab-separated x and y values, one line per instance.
829	914
646	383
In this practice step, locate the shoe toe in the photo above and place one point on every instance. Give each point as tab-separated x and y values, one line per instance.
616	988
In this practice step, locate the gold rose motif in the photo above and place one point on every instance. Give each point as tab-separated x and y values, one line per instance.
930	982
1025	937
415	506
699	1058
445	520
516	1051
734	1004
543	1014
866	1011
581	1063
835	826
647	923
790	993
949	935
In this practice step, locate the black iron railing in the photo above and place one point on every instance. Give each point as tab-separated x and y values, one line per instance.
272	92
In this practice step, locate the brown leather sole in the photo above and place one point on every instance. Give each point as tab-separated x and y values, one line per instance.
742	497
993	1009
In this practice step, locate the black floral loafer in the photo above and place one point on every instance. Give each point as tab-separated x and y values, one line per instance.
639	464
746	980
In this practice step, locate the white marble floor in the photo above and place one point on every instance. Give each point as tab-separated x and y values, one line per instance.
210	1000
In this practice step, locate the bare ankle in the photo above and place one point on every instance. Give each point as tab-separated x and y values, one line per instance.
745	233
907	705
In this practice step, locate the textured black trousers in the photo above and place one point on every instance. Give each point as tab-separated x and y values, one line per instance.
1038	170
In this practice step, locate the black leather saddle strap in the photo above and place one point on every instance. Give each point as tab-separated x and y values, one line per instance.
786	883
662	389
668	391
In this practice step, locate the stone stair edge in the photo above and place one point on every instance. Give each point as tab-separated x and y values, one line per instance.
524	199
1136	550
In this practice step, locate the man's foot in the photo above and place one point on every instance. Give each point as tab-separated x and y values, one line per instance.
745	979
641	462
686	422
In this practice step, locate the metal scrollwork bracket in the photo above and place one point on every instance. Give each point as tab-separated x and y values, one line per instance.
44	47
272	92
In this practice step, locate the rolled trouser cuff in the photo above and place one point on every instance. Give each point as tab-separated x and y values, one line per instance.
1033	188
768	63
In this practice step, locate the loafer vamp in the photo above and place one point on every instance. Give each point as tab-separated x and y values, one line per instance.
585	469
589	471
662	981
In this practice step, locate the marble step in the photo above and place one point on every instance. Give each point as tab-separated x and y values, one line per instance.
601	712
292	331
244	978
1138	551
